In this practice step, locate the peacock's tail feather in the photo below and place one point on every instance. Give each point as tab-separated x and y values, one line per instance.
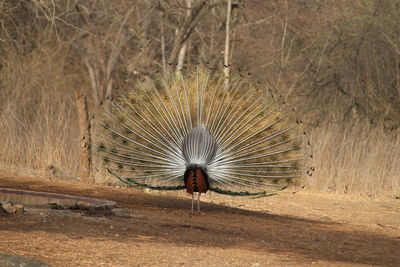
237	134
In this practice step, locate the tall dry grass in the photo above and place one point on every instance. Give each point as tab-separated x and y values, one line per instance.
38	118
356	159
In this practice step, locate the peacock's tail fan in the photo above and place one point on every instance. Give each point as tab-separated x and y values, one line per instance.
237	134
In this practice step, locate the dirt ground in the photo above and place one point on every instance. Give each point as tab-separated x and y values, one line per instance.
290	229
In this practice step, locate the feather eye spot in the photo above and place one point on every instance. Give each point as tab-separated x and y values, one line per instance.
121	119
101	147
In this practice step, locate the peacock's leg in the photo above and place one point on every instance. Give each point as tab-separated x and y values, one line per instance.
192	202
198	202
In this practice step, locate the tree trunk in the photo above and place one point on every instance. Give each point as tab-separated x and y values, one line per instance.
185	30
181	58
85	138
227	33
163	60
182	52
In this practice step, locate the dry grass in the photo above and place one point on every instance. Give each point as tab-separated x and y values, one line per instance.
38	120
356	159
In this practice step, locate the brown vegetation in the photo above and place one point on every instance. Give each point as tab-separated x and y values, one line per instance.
336	61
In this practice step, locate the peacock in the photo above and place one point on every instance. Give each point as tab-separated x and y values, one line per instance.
195	132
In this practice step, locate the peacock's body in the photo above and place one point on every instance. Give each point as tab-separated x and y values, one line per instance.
195	133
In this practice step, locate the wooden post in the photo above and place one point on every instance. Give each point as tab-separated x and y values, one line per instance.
85	138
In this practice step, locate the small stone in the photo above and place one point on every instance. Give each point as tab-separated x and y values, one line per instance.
121	212
44	216
57	206
323	238
66	214
256	264
10	207
326	218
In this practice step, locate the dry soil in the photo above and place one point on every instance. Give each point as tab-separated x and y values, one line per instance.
156	230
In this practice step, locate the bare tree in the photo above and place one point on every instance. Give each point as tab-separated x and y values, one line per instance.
182	52
227	42
163	60
186	30
99	64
